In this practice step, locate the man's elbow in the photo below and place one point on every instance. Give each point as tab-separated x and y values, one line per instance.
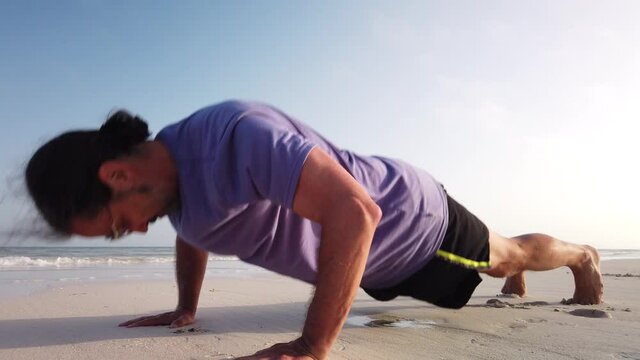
375	212
357	211
370	212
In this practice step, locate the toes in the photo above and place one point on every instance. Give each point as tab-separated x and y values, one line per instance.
582	301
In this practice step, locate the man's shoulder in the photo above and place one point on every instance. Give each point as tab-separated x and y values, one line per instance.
208	116
235	106
203	130
224	110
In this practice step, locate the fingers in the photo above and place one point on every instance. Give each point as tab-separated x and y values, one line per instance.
149	321
152	320
277	351
172	318
127	323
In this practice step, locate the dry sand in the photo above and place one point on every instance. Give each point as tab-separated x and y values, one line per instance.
241	316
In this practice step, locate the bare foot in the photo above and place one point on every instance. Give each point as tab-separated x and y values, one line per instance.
515	285
588	280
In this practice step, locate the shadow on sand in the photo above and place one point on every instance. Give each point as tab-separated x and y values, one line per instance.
275	318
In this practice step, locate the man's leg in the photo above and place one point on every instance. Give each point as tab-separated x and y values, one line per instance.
511	256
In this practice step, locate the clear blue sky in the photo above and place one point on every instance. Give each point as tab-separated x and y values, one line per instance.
527	111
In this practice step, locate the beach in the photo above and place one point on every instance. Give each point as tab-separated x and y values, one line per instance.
243	309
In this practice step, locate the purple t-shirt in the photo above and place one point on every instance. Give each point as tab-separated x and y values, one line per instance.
239	164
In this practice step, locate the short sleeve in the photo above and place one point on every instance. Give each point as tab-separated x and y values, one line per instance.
268	156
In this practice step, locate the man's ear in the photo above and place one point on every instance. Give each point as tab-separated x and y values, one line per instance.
117	174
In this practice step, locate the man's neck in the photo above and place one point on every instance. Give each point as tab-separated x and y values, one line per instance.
160	166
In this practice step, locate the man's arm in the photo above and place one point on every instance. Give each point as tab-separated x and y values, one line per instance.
191	264
329	195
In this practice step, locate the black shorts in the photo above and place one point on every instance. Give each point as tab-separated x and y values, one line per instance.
449	279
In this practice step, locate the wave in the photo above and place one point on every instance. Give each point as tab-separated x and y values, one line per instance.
38	258
61	261
619	254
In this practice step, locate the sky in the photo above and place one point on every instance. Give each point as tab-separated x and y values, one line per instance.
526	111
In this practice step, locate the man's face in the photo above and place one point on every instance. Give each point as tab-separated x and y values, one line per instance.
129	212
143	189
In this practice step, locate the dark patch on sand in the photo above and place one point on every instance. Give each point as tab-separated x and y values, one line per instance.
591	313
627	275
380	323
190	330
399	323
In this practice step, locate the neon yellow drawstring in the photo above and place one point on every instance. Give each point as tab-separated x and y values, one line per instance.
463	261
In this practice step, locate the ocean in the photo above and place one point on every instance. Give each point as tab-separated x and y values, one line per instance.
54	258
24	270
27	269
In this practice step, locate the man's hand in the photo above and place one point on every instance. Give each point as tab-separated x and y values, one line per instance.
174	319
295	350
191	263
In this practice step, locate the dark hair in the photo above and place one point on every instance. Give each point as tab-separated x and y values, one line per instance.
62	176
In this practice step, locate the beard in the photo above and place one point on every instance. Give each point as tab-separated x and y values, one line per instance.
171	205
168	202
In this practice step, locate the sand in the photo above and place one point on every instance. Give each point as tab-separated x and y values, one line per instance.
240	316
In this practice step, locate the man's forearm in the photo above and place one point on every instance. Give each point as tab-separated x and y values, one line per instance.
191	264
344	249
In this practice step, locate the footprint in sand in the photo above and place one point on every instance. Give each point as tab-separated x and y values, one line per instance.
389	322
534	303
629	355
525	305
591	313
497	303
519	325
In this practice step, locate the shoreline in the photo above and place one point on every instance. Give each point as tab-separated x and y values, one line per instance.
25	281
238	316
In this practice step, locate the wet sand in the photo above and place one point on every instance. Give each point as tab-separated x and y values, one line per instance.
240	316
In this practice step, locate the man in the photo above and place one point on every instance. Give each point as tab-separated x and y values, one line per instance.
246	179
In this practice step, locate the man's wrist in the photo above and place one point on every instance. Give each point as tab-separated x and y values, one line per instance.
313	349
186	309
